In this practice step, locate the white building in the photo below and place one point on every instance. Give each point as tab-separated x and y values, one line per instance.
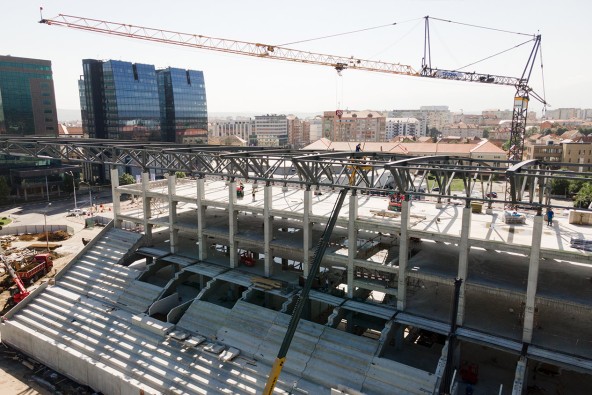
223	129
270	130
402	127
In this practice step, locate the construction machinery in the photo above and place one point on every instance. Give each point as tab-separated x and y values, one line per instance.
37	267
339	63
303	297
20	292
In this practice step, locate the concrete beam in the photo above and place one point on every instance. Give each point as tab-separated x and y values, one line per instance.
173	232
267	228
201	217
403	256
463	261
114	173
352	237
307	231
232	224
533	277
146	207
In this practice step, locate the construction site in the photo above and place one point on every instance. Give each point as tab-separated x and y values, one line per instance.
199	291
247	270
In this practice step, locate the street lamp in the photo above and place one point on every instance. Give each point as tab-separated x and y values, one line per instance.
90	204
73	186
45	226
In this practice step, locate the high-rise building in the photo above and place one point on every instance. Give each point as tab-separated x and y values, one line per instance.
121	100
132	101
27	97
183	108
270	131
408	127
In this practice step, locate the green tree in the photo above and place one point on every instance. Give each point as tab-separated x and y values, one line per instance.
486	133
180	174
126	179
584	196
506	145
559	186
575	186
4	189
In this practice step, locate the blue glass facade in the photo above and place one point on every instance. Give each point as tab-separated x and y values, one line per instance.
183	105
27	97
126	101
119	100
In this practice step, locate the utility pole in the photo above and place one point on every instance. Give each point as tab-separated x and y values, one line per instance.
73	186
45	227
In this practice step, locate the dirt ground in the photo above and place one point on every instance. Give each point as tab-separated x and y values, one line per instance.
22	375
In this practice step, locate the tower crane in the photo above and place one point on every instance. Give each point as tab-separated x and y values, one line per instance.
339	63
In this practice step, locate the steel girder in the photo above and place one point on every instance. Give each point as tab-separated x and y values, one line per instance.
358	170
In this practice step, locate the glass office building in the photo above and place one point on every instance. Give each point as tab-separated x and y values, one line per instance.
119	100
127	101
27	97
183	106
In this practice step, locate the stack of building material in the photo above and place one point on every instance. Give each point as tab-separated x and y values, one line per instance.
581	244
513	218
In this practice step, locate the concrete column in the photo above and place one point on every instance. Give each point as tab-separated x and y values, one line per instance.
403	255
307	231
533	278
267	228
352	237
147	210
232	224
201	218
173	233
463	261
116	197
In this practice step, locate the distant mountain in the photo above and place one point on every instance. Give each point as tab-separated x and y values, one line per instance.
65	115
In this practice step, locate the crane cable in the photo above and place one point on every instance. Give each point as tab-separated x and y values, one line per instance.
481	27
495	54
543	80
350	32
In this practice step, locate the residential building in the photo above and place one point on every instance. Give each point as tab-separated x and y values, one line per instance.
428	117
183	106
298	132
477	150
354	125
221	129
462	130
550	151
569	113
270	130
27	97
402	127
315	129
578	153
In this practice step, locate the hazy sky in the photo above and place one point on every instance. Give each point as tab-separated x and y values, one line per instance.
244	84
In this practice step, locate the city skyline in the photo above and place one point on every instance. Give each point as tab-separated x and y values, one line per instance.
238	84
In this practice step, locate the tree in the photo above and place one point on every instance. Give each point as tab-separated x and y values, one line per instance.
486	133
180	174
4	189
506	145
559	186
126	179
584	196
575	186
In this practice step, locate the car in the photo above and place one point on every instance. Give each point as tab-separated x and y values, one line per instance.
435	189
492	195
76	212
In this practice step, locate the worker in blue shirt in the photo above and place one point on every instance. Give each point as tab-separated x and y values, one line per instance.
550	214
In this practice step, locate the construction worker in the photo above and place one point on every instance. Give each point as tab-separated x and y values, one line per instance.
358	147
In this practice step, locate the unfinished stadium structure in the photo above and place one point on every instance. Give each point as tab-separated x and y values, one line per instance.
191	289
